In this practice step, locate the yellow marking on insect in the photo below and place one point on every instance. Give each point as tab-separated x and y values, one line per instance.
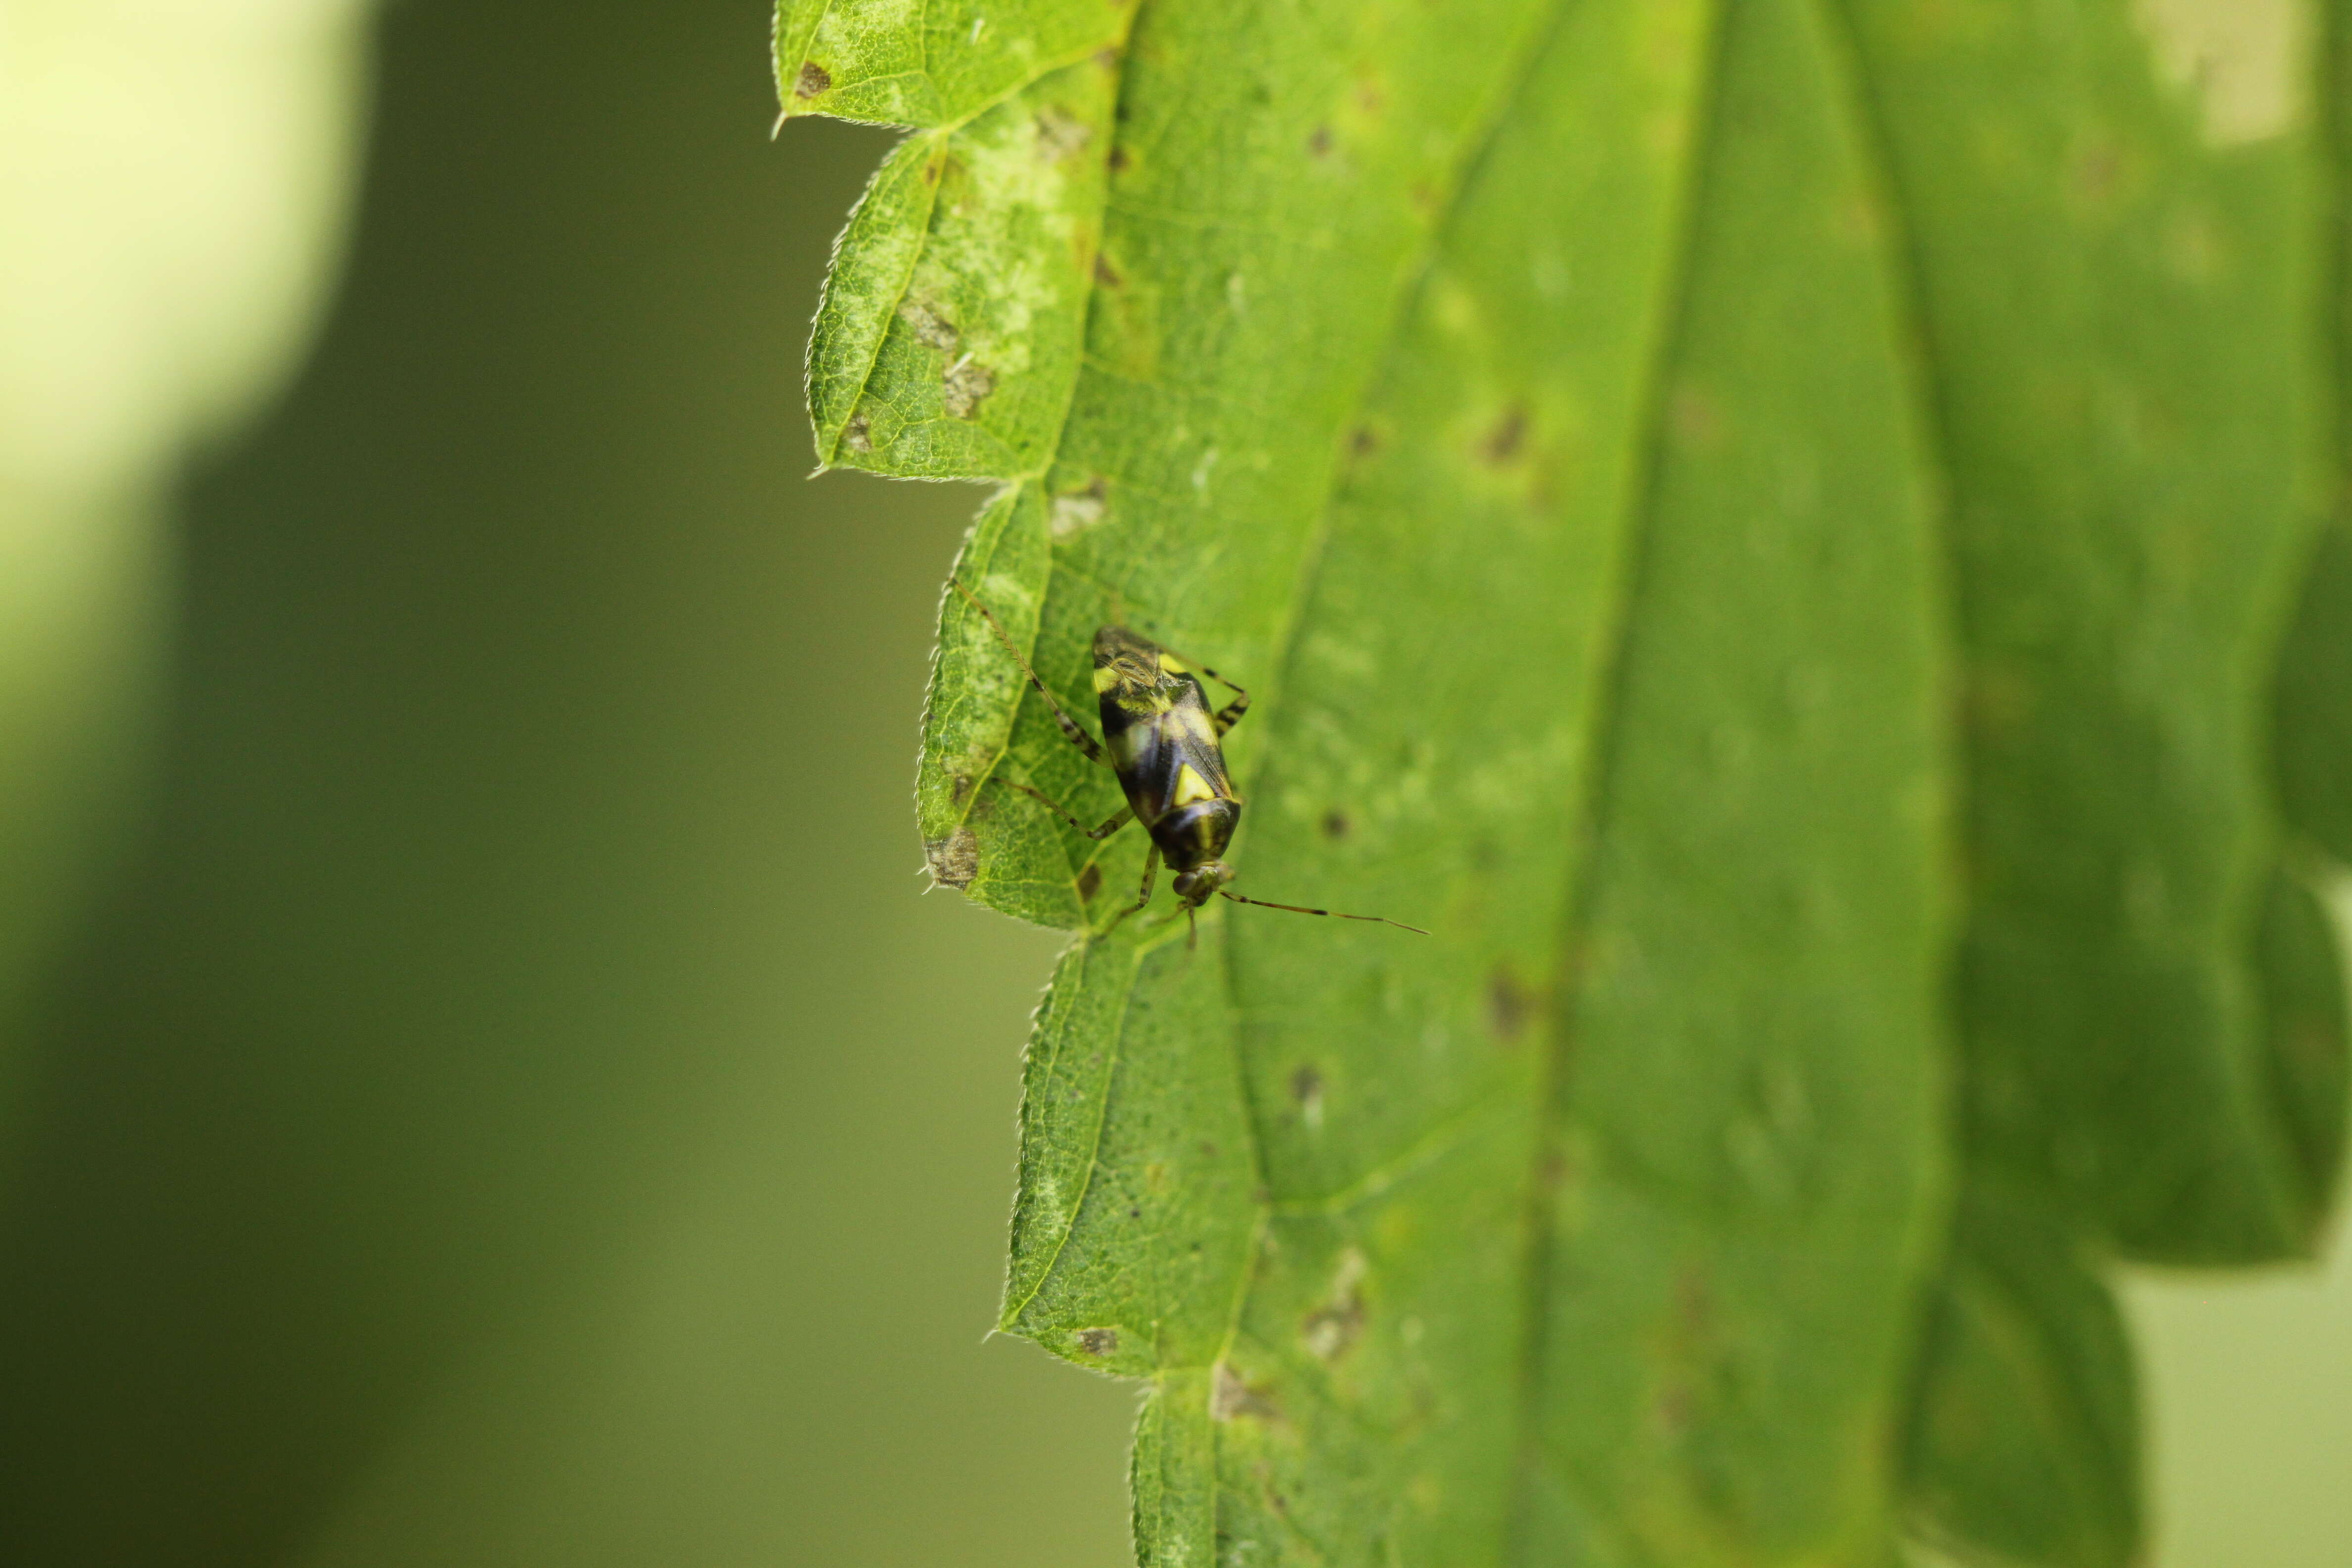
1105	679
1189	786
1141	704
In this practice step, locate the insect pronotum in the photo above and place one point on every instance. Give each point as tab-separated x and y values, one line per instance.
1166	749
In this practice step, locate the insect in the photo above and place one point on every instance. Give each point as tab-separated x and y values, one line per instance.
1166	748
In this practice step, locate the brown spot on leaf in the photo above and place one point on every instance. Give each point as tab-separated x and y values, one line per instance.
960	788
814	79
1106	274
1077	510
1089	880
1307	1088
1504	441
1363	443
932	330
1695	419
1858	221
1098	1341
1336	824
1118	160
1318	141
1061	134
1997	699
954	860
1230	1398
1676	1409
1693	1302
1330	1329
855	436
2098	168
2307	1041
1507	1004
964	387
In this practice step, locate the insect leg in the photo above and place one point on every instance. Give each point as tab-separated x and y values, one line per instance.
1335	914
1231	713
1150	871
1078	737
1118	818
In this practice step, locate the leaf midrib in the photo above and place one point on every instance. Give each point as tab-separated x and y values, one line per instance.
1599	746
1896	250
1406	288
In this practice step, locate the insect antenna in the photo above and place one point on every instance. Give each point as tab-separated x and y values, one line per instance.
1335	914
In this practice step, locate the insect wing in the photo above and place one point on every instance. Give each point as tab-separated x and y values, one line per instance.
1194	758
1167	755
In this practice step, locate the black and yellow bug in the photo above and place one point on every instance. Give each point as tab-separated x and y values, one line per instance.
1166	749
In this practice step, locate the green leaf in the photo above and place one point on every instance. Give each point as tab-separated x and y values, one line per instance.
1137	1208
896	62
2114	212
1727	510
945	342
2024	1442
1747	1115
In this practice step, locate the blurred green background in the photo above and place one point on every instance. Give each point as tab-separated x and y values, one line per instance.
515	1107
512	1104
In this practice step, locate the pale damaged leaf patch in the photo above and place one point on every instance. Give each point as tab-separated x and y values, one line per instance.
947	339
2248	61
